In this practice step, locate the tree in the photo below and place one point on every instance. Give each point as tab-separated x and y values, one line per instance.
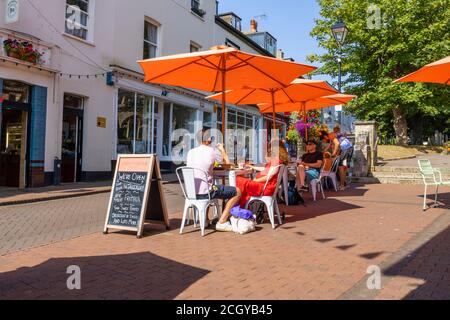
388	39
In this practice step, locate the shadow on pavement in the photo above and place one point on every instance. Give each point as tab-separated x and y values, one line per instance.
430	263
315	209
127	276
443	199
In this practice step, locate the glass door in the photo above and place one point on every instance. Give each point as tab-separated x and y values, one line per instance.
72	139
13	146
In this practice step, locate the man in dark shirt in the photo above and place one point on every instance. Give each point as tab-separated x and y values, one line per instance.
310	166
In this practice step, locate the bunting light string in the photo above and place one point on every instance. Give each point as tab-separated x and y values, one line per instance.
82	76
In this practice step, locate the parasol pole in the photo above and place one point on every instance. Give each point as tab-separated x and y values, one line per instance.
305	117
223	71
273	112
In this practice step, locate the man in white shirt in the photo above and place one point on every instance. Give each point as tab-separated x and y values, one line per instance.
204	157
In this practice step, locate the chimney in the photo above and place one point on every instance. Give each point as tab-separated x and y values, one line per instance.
253	26
280	54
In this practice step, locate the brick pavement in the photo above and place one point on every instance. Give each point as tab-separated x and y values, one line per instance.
322	252
31	225
14	196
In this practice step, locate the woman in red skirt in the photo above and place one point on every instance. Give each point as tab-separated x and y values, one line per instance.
255	188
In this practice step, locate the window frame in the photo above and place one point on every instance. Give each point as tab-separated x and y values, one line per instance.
89	28
195	45
147	41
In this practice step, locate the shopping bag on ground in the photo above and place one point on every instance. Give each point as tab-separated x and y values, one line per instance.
242	226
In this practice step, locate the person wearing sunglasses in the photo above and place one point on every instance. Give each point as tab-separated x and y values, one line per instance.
309	167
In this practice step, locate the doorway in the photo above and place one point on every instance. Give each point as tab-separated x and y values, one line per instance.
14	134
72	139
13	148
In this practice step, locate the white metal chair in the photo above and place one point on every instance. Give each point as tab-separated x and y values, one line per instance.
191	200
430	179
271	201
316	185
325	175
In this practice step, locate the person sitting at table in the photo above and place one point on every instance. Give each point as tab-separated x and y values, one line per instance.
343	149
204	157
277	155
309	167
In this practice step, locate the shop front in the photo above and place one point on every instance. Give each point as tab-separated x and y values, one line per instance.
146	124
22	134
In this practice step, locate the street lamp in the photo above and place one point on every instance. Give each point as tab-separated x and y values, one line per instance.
340	32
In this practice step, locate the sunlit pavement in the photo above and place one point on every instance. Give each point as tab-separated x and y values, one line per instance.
322	252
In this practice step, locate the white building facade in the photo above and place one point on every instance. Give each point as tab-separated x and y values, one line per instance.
82	101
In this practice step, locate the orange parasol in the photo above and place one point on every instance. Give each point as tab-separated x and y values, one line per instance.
298	90
220	69
305	105
436	72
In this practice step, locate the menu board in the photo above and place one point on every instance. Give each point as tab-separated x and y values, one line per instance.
137	195
127	199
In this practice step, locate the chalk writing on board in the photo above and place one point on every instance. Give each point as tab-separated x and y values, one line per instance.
128	198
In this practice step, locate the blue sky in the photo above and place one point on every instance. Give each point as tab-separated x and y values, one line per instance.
290	21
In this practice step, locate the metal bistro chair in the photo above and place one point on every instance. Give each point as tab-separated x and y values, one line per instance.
430	179
271	201
191	201
316	185
332	174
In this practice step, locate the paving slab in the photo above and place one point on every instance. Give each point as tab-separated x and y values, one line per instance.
322	252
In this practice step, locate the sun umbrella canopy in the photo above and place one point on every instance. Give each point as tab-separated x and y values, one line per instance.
314	104
204	70
436	72
299	90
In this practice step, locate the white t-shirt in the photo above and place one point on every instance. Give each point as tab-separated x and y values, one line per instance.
202	157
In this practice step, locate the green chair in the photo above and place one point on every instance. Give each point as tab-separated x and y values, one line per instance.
431	177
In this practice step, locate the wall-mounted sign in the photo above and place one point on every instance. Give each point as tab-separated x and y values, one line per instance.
12	11
101	122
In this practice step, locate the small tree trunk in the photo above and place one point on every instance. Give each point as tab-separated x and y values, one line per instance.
400	126
417	129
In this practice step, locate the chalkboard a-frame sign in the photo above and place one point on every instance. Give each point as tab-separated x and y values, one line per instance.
137	195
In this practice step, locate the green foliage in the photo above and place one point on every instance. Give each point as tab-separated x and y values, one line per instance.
410	34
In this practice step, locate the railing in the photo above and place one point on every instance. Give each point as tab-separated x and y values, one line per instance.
46	56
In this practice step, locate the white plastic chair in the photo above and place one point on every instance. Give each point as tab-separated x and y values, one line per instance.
271	201
430	178
191	201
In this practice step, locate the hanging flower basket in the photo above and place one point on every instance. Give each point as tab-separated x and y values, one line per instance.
21	50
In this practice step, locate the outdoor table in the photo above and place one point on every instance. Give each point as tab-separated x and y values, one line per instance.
231	175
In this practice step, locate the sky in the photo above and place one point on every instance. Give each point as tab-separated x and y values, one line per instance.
290	21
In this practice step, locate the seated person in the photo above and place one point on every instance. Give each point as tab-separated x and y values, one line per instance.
255	188
309	167
343	149
204	157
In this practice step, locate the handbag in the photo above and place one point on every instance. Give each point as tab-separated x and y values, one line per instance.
242	226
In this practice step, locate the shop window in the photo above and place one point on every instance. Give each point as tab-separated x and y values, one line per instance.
135	129
15	91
